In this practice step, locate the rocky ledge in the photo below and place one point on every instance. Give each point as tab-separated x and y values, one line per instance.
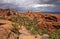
48	22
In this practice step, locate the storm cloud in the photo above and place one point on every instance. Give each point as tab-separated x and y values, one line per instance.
32	5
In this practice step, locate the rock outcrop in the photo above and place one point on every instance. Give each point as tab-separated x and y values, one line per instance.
5	32
48	22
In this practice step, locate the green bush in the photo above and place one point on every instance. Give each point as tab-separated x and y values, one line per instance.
15	28
55	35
29	24
3	18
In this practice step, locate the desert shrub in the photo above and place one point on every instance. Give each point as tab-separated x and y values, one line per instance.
32	26
15	28
55	35
20	20
3	18
29	24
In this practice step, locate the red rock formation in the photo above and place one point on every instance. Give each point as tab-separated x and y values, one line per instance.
7	12
48	22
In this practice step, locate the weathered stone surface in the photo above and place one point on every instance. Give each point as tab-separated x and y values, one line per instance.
48	22
7	34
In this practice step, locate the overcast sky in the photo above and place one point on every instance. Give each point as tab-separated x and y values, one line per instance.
32	5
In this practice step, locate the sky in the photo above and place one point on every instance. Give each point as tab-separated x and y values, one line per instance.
32	5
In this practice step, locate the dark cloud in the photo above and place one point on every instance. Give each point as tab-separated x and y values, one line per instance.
49	2
27	5
53	2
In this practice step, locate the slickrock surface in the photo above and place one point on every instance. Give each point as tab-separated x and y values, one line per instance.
48	22
5	33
